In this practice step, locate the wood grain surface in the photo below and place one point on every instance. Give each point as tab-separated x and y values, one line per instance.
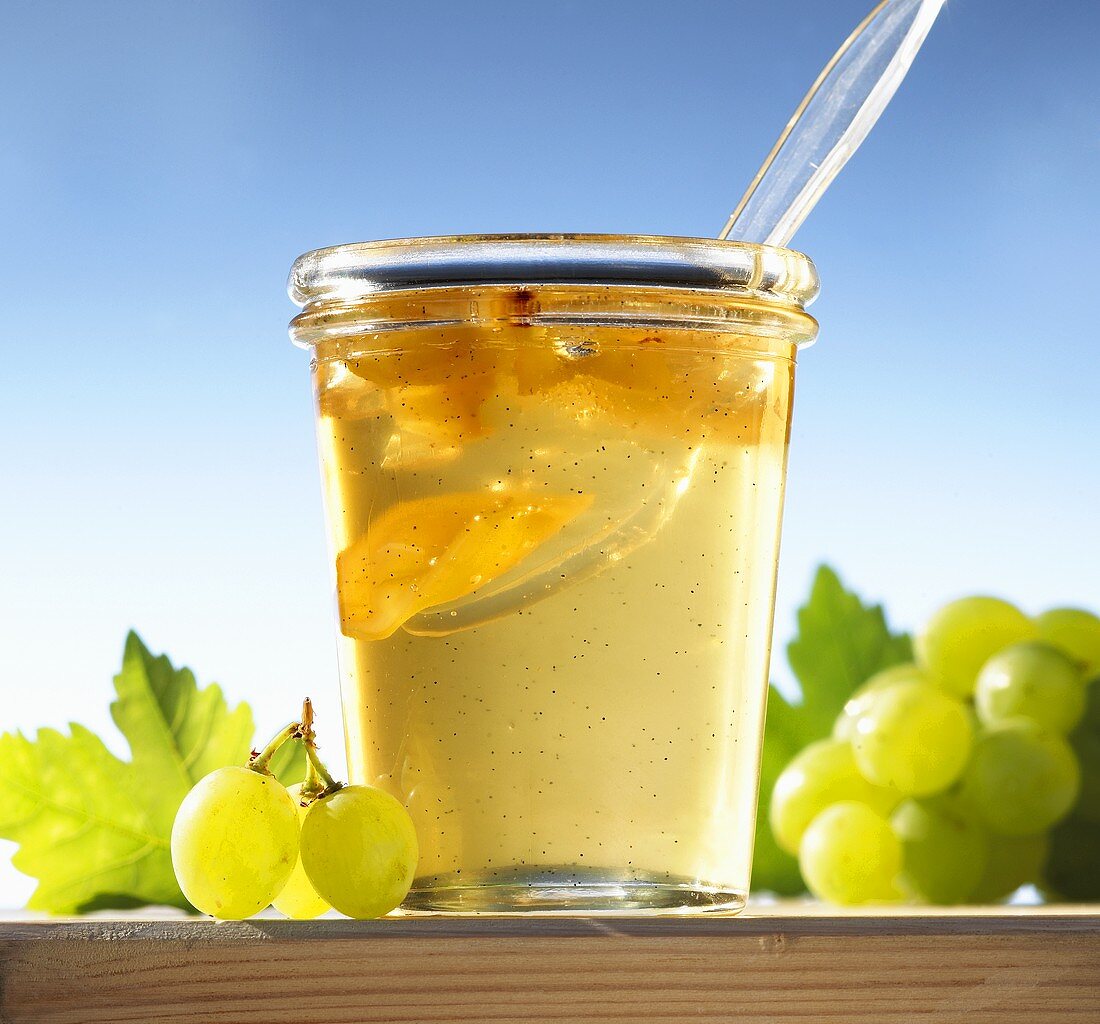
1039	967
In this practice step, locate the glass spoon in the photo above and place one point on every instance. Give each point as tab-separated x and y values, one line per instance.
832	120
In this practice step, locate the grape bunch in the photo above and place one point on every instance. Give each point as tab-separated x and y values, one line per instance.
961	776
242	841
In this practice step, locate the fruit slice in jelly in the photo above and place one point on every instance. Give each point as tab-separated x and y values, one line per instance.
429	551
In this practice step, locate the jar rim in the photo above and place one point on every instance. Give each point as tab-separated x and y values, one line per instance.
360	269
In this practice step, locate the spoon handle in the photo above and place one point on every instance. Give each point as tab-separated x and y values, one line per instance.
832	120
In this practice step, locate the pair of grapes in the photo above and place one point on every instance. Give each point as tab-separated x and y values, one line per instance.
242	841
942	778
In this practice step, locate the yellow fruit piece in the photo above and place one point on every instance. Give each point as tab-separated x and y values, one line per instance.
662	393
436	393
429	551
433	392
418	362
441	414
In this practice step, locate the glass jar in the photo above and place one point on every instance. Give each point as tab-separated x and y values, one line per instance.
553	470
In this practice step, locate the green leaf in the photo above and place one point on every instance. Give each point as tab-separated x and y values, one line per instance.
85	822
288	763
177	732
95	830
772	868
841	642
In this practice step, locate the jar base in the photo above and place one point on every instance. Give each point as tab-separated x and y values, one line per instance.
566	892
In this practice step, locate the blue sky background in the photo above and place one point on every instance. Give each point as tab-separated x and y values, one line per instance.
163	163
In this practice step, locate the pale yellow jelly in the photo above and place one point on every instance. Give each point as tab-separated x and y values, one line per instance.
555	552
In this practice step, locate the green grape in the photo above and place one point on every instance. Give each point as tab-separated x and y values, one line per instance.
1013	861
1085	741
823	773
913	738
944	852
359	850
1071	868
1021	779
1031	680
298	898
849	854
1075	631
963	635
861	699
234	842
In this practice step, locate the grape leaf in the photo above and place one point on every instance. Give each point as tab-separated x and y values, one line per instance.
94	829
177	732
288	763
772	868
840	643
86	824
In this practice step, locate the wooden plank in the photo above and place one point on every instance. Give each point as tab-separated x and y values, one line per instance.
856	968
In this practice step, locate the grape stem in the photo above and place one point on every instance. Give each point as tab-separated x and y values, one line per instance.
259	762
318	781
